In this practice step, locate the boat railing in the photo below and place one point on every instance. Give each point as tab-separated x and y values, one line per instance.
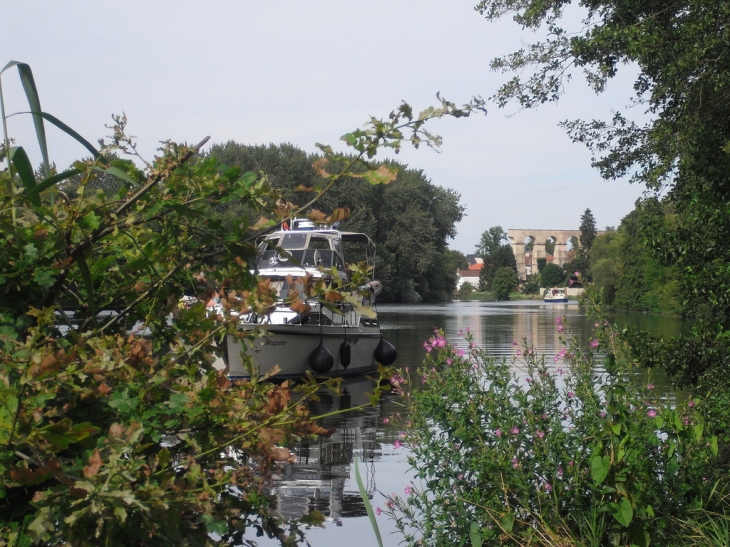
303	258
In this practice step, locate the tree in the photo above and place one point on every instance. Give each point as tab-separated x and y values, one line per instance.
683	81
486	274
490	241
541	263
504	282
552	275
111	438
587	230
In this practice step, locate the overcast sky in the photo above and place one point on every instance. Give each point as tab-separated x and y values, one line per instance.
309	71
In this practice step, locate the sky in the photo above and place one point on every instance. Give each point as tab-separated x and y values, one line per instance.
303	72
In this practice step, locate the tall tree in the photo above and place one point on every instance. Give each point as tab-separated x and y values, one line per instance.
587	230
490	241
681	56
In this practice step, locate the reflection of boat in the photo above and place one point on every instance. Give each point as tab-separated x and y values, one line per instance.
334	340
556	294
318	478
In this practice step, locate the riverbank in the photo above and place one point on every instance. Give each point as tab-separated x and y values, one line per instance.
489	297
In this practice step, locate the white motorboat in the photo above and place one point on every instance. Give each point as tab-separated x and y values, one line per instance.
555	295
339	339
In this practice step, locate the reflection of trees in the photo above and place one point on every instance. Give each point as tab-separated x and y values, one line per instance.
316	481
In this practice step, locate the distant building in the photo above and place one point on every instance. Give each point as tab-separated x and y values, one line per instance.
470	275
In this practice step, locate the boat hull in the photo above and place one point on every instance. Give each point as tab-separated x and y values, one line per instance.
290	346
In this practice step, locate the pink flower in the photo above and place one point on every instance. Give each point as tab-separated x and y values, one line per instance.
540	433
448	361
650	386
594	343
691	404
389	504
571	394
651	413
570	463
407	490
460	353
548	487
498	432
519	352
560	472
528	380
386	420
514	342
576	274
561	328
515	463
603	414
560	371
460	333
378	511
515	431
397	444
558	320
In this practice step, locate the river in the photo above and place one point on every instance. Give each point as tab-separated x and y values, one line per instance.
323	477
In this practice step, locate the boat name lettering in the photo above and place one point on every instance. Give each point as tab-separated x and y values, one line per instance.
275	342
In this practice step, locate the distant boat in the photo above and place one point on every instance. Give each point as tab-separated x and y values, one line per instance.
327	343
555	295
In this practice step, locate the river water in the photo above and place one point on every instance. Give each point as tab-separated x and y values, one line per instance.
323	477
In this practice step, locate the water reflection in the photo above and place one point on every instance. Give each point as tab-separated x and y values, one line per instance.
316	481
322	477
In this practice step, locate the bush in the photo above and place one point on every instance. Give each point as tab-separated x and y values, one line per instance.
505	281
552	275
465	290
516	452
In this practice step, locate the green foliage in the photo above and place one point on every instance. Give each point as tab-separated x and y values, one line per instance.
409	219
490	241
522	453
552	275
465	291
115	428
531	285
587	230
504	282
541	263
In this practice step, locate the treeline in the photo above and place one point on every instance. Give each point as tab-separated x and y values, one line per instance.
409	219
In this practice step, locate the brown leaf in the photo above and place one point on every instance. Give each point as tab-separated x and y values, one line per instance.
338	214
319	167
300	306
94	465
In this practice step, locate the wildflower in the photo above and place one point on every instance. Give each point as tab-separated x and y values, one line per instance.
519	352
389	504
561	328
570	463
558	320
460	353
594	343
560	371
386	421
378	511
602	413
531	352
514	342
651	413
498	432
402	435
528	380
467	329
460	333
650	386
448	361
544	416
540	433
515	463
407	369
691	404
407	490
571	394
515	431
560	472
459	477
548	487
397	444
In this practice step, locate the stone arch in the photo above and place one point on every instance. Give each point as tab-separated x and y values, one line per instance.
517	239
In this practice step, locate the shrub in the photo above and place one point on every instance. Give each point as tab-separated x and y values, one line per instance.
516	452
552	275
505	281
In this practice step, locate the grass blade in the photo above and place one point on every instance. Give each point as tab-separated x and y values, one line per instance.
366	501
25	172
51	181
116	172
31	93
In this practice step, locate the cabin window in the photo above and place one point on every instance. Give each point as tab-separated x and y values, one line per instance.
294	241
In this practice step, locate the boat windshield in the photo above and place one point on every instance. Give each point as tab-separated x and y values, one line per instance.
294	240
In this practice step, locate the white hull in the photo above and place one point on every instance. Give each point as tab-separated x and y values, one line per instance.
289	347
